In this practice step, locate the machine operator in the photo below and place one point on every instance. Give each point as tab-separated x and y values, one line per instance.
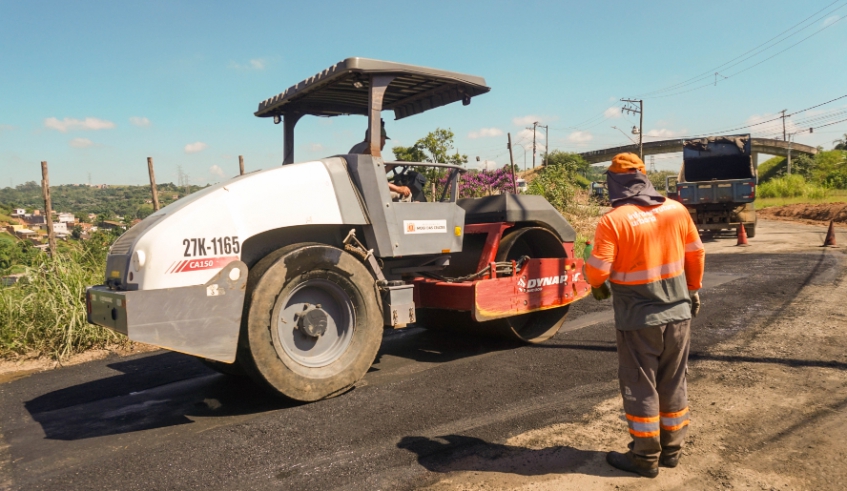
648	248
397	192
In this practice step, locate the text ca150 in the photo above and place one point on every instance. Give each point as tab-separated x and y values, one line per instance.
211	247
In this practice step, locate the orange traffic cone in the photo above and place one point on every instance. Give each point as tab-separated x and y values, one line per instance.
829	241
742	236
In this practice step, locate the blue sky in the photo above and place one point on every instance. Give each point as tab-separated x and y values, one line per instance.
96	87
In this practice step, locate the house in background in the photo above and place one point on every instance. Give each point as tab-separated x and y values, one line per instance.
18	212
66	217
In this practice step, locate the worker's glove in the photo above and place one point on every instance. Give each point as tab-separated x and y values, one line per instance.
695	304
602	292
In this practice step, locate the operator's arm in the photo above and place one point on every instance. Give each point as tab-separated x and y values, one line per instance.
695	257
598	266
402	190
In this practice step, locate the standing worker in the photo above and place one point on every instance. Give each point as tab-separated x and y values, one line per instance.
650	251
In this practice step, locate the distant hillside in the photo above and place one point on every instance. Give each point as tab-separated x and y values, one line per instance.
81	200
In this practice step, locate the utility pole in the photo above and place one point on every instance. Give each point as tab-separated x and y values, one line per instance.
241	165
788	163
783	124
547	140
153	184
534	125
48	209
640	112
512	161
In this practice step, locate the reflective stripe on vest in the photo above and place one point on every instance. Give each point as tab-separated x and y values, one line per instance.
649	274
598	263
694	246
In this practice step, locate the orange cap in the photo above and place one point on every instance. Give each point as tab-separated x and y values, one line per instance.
627	162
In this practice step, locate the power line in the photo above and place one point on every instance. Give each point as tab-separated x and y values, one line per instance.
709	73
756	64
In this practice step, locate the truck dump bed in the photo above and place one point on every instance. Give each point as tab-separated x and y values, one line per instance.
717	170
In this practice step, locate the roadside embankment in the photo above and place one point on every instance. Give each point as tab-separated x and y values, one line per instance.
823	212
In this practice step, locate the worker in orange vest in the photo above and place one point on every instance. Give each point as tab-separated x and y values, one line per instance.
648	248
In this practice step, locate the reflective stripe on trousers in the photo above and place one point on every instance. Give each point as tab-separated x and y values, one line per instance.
674	421
643	427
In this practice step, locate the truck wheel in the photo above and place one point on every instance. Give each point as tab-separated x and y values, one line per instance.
532	328
751	230
313	323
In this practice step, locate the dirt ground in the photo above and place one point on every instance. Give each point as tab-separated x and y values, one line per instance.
23	366
808	213
768	405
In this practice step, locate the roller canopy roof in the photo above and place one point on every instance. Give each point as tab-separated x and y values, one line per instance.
344	87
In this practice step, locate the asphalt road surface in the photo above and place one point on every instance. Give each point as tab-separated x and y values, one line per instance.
163	421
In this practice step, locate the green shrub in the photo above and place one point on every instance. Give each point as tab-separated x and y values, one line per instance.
791	187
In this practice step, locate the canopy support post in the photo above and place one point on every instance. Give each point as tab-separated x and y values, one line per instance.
378	86
289	121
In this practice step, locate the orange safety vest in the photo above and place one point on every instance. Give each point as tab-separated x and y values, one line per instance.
653	257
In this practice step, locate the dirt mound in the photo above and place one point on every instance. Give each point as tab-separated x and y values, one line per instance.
822	212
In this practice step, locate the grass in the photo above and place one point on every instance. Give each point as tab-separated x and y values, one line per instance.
834	196
794	189
44	313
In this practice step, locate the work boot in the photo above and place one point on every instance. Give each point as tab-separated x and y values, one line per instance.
669	460
628	462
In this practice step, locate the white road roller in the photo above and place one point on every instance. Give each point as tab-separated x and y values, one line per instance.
291	274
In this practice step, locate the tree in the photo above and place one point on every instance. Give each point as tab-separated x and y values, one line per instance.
841	143
435	147
409	154
571	162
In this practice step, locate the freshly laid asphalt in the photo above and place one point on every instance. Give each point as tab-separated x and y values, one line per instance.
163	421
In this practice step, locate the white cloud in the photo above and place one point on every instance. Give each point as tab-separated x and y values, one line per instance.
526	134
253	64
580	137
81	143
195	147
216	170
139	121
485	133
525	120
831	20
315	147
69	124
613	112
6	127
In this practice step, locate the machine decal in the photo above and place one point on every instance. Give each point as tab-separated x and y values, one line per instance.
189	265
216	245
425	226
536	284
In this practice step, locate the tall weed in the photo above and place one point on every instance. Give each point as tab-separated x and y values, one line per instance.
45	312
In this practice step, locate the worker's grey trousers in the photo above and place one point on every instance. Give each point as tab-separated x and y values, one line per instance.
653	362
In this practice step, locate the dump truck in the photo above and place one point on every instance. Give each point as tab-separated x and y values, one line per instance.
290	275
717	183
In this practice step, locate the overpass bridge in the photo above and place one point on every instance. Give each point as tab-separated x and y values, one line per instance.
759	145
